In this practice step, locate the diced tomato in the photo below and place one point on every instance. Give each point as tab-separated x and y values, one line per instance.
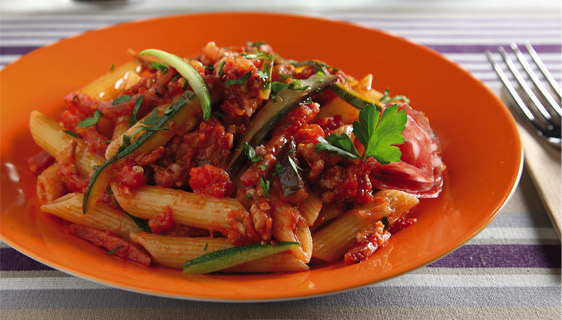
113	243
366	243
131	176
211	181
40	161
401	223
164	222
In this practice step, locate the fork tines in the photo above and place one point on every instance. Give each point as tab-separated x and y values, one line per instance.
542	111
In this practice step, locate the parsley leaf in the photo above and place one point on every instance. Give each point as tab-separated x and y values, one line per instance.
278	169
70	133
341	144
255	44
265	186
159	66
241	80
380	137
251	153
220	68
125	144
112	251
152	118
387	99
277	86
121	99
263	76
133	119
91	121
141	223
263	166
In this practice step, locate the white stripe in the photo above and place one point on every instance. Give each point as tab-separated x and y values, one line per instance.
407	280
485	41
495	280
552	57
517	233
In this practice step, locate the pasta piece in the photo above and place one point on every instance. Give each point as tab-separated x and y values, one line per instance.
331	242
121	125
110	85
49	184
364	87
100	216
173	252
289	225
193	116
50	136
310	208
188	208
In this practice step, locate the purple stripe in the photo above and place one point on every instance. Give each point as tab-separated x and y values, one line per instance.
468	256
470	48
502	256
12	260
17	50
477	48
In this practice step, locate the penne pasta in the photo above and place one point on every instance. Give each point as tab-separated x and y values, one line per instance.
50	136
188	208
310	208
49	184
173	252
121	126
101	216
289	225
331	242
111	84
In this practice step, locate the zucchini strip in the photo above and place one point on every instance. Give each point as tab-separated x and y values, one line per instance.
273	112
265	91
353	97
154	136
189	73
230	257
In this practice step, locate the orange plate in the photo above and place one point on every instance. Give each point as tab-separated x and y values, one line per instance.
481	147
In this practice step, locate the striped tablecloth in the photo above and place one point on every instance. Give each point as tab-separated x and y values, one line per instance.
509	271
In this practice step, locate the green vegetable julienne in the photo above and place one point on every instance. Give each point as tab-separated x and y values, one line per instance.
227	258
250	153
190	74
130	148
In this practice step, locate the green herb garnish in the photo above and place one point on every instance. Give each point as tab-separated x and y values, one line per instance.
112	251
278	169
159	66
70	133
121	99
387	99
250	152
91	121
265	186
241	80
220	68
379	136
133	119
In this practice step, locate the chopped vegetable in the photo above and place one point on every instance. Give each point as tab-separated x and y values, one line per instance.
291	181
146	142
70	133
351	96
160	66
191	75
227	258
273	112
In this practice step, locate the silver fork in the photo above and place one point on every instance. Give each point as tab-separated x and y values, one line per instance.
542	111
